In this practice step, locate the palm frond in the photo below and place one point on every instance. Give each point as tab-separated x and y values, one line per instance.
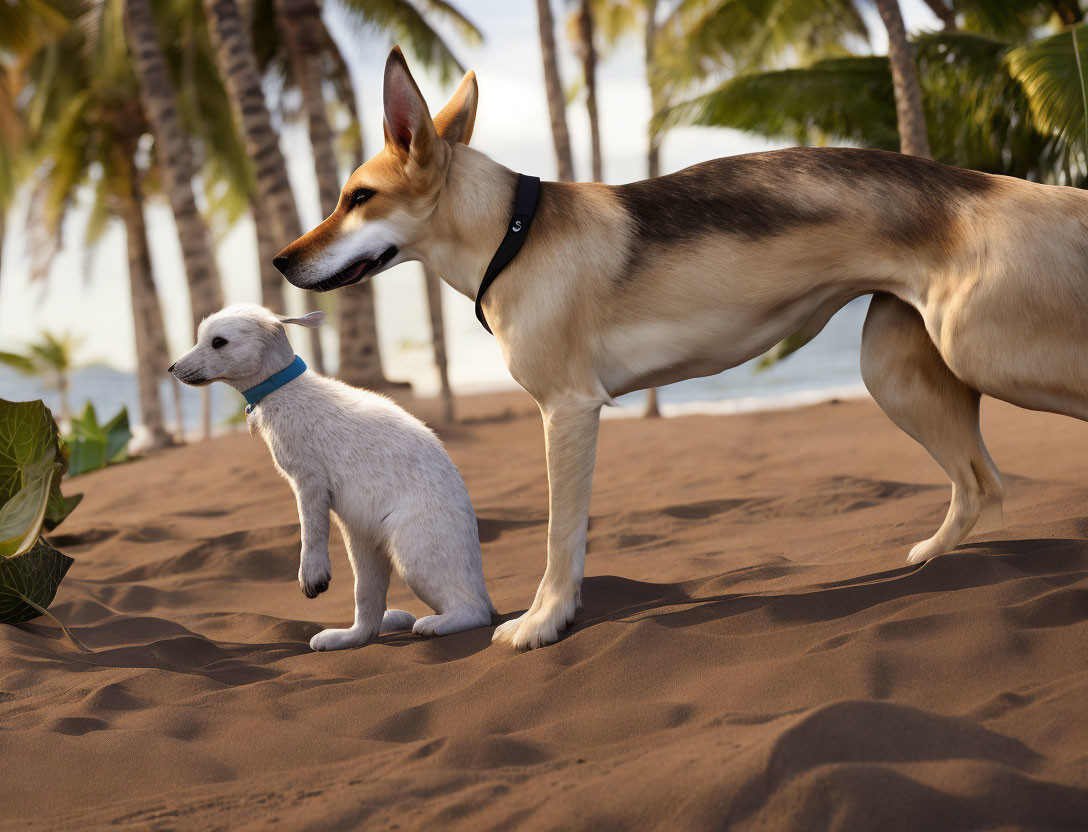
1010	20
27	24
20	363
1047	70
448	13
408	27
702	39
979	116
849	99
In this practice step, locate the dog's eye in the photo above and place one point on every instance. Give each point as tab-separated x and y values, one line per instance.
218	342
360	196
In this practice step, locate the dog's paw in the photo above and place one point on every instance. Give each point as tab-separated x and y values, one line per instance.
313	584
537	627
340	639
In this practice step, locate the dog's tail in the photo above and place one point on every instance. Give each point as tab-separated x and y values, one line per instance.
395	620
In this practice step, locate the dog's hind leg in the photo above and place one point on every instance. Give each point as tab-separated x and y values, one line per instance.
914	387
395	621
371	567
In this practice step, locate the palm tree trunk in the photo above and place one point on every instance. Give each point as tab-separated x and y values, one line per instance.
589	69
3	235
557	100
272	295
910	115
179	410
150	335
653	148
64	386
177	169
944	13
438	337
360	358
238	67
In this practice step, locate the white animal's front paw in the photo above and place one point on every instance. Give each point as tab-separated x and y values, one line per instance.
539	626
313	576
924	551
340	639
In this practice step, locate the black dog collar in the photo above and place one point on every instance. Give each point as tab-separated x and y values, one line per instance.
516	232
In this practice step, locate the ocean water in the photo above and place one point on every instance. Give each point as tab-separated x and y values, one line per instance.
827	367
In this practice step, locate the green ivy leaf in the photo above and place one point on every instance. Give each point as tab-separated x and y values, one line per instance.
34	576
59	507
95	446
21	517
28	436
28	585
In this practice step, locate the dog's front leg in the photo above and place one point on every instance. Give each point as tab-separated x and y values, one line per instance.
570	436
315	569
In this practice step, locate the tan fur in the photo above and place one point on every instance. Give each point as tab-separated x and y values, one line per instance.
981	284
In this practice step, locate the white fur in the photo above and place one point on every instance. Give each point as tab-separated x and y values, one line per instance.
396	495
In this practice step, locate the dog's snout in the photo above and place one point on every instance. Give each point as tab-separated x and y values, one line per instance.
282	262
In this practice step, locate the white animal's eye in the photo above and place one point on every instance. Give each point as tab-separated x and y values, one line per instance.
218	342
360	196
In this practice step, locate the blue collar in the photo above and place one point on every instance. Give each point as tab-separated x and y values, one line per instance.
274	382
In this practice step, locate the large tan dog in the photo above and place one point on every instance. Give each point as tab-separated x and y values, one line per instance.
980	285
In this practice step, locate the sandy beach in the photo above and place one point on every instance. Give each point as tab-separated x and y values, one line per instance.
753	651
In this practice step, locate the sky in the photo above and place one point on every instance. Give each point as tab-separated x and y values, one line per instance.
91	299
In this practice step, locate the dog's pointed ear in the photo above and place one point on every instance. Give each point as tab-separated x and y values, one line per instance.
310	319
408	126
455	121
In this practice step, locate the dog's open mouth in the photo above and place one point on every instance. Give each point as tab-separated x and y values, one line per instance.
355	272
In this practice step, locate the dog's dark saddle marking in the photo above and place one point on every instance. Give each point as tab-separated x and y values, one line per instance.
517	230
759	195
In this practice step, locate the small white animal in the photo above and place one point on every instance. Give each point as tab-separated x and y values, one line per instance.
398	498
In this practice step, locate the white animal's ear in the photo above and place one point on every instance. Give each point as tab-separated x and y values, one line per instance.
310	319
408	126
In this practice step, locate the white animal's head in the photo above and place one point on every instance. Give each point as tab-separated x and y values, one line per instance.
385	209
240	344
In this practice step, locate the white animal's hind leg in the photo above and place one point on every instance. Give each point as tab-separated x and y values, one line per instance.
912	384
396	620
452	622
371	567
438	555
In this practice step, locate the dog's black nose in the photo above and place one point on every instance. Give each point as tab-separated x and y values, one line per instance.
281	262
172	366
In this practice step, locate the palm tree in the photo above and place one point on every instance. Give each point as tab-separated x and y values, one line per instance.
910	116
272	294
9	140
24	27
177	169
438	338
581	31
150	333
653	139
238	69
553	84
84	124
52	358
294	44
